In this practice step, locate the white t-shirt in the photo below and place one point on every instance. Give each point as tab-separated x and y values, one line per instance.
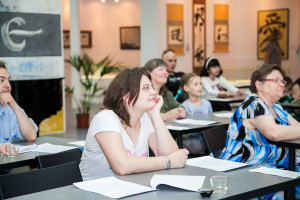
211	88
93	163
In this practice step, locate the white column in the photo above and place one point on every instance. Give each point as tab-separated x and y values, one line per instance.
150	30
75	46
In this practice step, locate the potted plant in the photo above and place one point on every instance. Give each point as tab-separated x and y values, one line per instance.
87	69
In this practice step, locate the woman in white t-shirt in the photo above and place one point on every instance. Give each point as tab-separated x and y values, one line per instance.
213	83
120	135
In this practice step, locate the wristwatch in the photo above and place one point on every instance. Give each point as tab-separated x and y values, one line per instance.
168	162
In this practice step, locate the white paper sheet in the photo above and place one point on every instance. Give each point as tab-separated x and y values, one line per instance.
214	163
221	99
51	148
195	122
178	128
28	148
226	115
191	183
112	187
80	143
276	172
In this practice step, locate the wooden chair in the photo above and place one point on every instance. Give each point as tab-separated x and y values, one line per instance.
13	185
215	140
50	160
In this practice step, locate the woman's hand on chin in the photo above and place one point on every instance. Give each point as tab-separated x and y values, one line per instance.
156	108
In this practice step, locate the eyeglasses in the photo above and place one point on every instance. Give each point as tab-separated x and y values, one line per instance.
148	87
276	80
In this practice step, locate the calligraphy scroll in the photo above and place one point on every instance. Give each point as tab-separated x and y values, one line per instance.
175	28
199	40
221	31
268	21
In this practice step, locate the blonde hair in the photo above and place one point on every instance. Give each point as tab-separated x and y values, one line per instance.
186	78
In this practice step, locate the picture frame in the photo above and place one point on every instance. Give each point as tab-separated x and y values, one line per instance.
85	38
175	28
221	28
199	35
267	21
130	37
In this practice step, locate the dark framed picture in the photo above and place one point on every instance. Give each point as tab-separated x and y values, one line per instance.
130	37
199	37
85	39
268	20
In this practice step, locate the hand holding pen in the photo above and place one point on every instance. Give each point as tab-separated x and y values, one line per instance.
181	112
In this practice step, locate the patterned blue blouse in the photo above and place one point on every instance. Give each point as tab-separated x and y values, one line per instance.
249	145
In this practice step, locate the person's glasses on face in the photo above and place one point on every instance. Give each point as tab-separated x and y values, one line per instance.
147	87
276	80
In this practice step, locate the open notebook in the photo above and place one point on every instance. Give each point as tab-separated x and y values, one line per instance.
115	188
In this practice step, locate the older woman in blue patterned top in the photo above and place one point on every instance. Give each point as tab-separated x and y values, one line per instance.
259	122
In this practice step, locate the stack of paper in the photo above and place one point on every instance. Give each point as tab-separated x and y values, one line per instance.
80	143
178	128
214	163
195	122
46	148
51	148
276	172
28	148
112	187
226	115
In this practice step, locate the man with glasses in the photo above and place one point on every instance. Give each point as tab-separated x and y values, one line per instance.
174	78
14	123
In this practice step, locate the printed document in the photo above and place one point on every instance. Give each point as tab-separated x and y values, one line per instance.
195	122
112	187
191	183
216	164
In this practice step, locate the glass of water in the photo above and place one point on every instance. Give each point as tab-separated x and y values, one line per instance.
219	184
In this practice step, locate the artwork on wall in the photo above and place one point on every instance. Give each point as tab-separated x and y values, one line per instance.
221	31
85	39
130	37
199	41
31	46
175	28
268	20
29	34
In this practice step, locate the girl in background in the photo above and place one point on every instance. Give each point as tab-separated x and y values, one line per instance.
195	106
214	84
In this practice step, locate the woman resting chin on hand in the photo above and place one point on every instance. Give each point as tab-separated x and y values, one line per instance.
120	135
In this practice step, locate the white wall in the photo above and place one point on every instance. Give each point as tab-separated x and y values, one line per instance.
104	19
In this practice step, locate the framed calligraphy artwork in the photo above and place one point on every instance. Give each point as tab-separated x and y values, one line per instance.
268	21
175	32
199	37
221	30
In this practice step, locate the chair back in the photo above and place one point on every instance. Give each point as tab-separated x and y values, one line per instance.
13	185
50	160
215	140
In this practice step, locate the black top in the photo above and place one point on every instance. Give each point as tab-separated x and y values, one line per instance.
173	82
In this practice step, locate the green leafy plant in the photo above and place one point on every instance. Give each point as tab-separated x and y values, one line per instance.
86	68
